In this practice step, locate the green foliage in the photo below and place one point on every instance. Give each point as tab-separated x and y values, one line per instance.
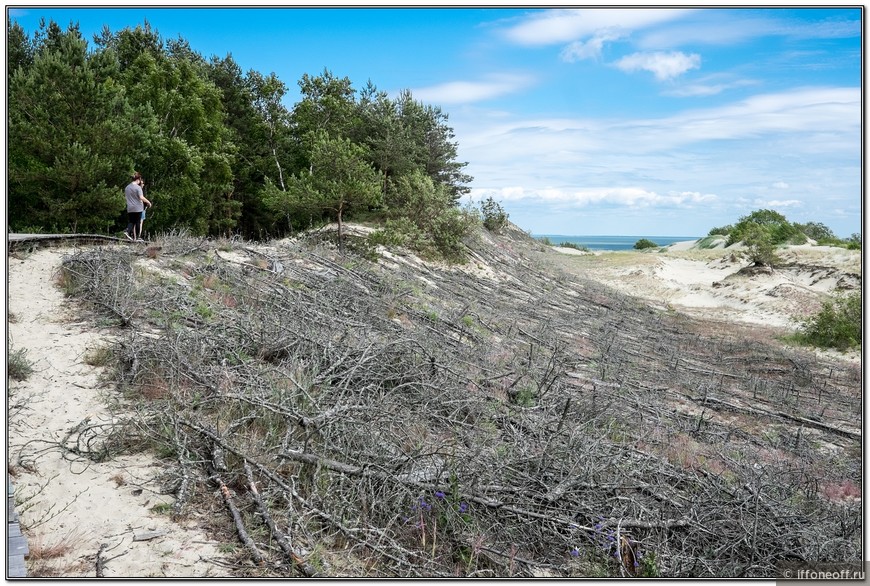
18	366
219	150
721	231
70	138
421	217
774	226
649	566
836	325
851	243
448	231
494	216
759	245
644	243
574	246
340	179
816	230
443	238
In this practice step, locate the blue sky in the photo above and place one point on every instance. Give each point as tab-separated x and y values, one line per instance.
608	120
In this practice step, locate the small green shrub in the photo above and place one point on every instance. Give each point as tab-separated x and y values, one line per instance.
644	243
162	509
574	246
448	230
837	325
441	237
648	566
19	367
101	356
760	246
494	216
203	311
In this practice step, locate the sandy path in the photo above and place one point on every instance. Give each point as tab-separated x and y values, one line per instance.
67	501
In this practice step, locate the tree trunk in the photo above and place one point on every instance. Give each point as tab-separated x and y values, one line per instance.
340	231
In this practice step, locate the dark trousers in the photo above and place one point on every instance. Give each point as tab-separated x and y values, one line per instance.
134	220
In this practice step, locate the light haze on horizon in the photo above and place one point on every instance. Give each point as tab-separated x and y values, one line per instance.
609	120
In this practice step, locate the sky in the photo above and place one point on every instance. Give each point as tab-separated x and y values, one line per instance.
583	121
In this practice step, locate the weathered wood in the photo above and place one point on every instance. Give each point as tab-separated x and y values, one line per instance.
16	567
148	535
307	569
11	513
18	242
17	544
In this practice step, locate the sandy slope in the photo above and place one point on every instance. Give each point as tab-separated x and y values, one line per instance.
710	284
65	500
68	500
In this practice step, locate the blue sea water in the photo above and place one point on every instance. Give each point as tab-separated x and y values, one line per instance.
612	242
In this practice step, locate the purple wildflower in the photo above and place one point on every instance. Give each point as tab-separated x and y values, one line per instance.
575	552
463	507
440	494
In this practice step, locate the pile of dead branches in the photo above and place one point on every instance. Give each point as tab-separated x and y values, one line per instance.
428	420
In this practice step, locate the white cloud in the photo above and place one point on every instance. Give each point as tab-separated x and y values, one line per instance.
782	203
832	115
624	196
580	50
549	27
664	66
714	164
463	92
712	27
724	27
708	87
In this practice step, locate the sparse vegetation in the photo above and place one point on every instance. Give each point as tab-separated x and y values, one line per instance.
709	242
438	427
18	366
644	243
837	325
494	216
47	552
101	356
760	246
574	246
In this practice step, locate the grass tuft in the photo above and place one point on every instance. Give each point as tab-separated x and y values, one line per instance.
19	367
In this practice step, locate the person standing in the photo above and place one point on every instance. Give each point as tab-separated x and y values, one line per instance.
142	219
136	203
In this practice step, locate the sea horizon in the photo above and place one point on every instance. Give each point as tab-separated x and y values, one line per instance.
612	241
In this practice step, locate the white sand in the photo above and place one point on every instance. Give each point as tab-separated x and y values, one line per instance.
65	499
709	284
